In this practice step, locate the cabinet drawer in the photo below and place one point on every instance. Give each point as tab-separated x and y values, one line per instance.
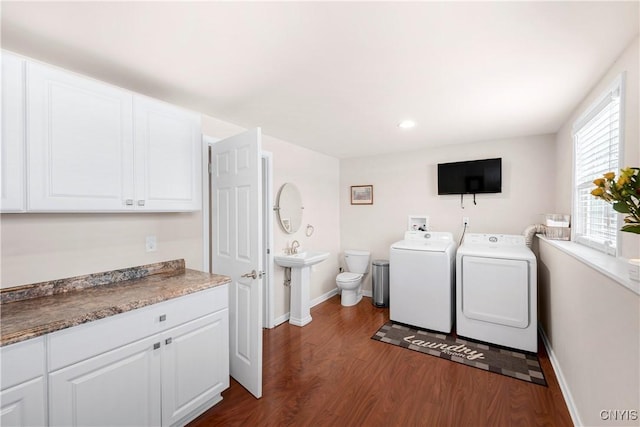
81	342
22	361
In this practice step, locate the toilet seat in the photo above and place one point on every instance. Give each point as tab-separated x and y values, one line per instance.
347	277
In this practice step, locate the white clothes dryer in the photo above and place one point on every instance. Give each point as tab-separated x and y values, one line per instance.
421	280
496	291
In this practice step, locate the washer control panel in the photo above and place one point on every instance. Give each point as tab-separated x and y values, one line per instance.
434	236
495	239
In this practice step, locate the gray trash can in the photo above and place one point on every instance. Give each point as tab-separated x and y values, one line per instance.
380	283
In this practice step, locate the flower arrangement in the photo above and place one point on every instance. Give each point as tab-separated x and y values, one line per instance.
624	194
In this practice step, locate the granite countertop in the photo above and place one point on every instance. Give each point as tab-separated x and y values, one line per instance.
33	310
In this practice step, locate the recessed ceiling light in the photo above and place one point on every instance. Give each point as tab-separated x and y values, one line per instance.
406	124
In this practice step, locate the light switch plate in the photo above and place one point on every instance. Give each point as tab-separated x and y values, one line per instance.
151	244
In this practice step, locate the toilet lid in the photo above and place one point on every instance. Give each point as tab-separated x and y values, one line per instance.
349	277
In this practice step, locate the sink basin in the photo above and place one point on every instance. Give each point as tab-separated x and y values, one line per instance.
302	259
300	265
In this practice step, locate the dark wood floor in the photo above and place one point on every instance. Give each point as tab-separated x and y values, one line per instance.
330	373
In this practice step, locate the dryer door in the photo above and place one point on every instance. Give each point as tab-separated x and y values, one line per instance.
496	290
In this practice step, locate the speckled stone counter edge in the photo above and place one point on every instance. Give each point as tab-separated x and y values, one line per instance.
47	307
54	287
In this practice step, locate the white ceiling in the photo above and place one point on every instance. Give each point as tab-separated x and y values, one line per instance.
337	77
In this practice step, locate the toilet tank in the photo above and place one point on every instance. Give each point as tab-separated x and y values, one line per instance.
357	261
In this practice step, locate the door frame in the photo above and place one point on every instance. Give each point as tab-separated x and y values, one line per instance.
268	320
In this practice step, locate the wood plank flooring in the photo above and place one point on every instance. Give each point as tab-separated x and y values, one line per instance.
331	373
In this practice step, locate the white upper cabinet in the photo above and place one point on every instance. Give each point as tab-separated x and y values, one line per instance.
167	152
12	181
80	142
94	147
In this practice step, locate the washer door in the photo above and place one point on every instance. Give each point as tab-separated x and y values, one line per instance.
496	290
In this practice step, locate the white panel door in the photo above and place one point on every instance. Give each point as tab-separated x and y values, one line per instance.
237	248
79	142
496	290
168	151
23	404
12	181
117	388
195	365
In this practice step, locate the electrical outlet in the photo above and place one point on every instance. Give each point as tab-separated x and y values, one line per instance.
151	244
465	221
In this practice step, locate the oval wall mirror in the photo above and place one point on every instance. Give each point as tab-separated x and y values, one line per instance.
289	208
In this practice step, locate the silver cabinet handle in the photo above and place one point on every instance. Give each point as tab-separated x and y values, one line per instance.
156	346
168	341
140	202
128	202
163	317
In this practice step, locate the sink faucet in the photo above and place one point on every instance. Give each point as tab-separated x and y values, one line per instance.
294	246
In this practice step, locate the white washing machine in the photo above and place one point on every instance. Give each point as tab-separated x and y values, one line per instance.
421	280
496	291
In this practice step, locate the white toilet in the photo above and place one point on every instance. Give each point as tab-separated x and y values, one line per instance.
351	282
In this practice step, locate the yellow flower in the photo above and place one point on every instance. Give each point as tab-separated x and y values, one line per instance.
623	193
624	179
627	171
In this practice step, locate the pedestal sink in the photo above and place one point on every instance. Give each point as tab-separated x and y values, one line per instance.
300	265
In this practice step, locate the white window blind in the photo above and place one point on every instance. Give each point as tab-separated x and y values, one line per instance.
597	140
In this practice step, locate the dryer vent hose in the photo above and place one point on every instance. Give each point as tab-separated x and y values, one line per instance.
531	231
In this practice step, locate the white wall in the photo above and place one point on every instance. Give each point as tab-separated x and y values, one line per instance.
316	176
42	247
593	327
592	322
406	183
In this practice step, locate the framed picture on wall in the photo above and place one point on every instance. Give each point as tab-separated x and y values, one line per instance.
362	194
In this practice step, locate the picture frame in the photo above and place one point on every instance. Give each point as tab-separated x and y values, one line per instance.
362	194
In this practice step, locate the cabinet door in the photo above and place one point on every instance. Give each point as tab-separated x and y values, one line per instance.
195	366
12	143
79	142
23	404
168	144
117	388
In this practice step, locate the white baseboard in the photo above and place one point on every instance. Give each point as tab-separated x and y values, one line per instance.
367	293
280	320
323	298
564	387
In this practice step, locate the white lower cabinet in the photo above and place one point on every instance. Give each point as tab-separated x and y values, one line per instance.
23	384
117	388
160	365
189	378
23	405
165	379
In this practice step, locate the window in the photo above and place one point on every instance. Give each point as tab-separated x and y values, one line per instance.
597	140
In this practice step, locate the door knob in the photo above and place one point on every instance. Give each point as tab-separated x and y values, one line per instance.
254	275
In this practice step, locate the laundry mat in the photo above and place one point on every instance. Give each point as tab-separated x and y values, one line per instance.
520	365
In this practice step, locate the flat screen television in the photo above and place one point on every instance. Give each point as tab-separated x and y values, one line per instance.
471	177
